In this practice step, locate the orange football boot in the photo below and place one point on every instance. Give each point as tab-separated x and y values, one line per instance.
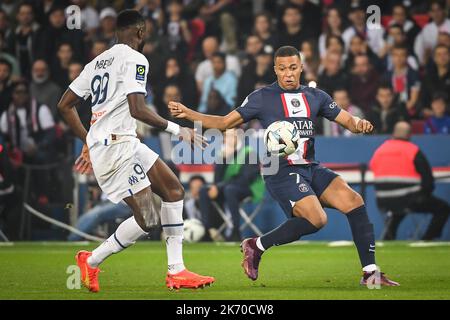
187	279
89	275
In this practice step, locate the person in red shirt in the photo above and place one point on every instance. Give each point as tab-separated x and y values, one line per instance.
404	183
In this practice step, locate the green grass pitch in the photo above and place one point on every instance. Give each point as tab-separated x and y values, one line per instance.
298	271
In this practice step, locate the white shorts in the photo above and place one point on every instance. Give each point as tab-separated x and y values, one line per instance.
121	167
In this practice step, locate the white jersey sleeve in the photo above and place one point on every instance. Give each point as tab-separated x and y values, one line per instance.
81	85
134	76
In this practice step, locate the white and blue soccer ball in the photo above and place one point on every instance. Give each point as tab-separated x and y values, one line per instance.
193	230
281	138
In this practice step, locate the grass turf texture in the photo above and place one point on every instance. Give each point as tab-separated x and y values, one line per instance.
298	271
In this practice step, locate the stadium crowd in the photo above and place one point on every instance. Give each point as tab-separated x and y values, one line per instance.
210	54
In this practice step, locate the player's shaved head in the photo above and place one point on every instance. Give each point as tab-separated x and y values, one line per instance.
402	130
288	67
129	18
131	29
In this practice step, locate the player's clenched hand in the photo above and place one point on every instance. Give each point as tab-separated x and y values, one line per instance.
178	110
364	126
83	163
192	137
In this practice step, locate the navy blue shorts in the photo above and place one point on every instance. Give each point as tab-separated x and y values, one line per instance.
292	183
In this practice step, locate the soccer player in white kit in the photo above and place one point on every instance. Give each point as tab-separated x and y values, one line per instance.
125	168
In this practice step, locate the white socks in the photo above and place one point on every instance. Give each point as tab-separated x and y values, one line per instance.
126	235
129	231
370	268
259	244
172	224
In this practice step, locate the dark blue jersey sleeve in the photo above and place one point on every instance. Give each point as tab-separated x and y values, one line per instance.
328	108
251	106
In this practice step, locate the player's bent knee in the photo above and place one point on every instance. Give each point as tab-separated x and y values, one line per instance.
354	200
317	218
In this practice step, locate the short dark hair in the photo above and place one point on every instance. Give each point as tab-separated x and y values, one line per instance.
439	95
219	55
128	18
286	51
385	86
197	177
401	47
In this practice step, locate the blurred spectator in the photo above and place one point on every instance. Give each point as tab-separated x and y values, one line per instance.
363	83
373	36
60	66
263	28
44	8
437	79
253	46
332	76
333	26
10	197
439	122
28	126
9	57
340	96
310	60
191	203
171	92
404	183
177	30
107	30
387	111
258	72
84	106
396	37
427	39
89	17
56	34
311	16
357	47
210	46
220	21
234	180
42	88
5	29
177	74
5	84
293	34
104	212
9	6
99	46
405	81
335	44
216	104
400	17
222	80
24	42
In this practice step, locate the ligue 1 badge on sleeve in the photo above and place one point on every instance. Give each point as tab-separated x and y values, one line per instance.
140	72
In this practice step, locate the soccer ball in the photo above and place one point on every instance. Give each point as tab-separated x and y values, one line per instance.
193	230
281	138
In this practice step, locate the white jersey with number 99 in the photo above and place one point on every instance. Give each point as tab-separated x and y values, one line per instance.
108	79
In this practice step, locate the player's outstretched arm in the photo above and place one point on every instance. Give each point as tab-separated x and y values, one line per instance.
231	120
66	108
353	124
139	111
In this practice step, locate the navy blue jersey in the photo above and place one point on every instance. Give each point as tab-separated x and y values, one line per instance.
302	107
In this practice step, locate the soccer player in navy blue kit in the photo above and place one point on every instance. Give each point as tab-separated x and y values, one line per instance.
301	186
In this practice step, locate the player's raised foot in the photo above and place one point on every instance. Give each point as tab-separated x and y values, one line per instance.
369	277
187	279
89	275
252	257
